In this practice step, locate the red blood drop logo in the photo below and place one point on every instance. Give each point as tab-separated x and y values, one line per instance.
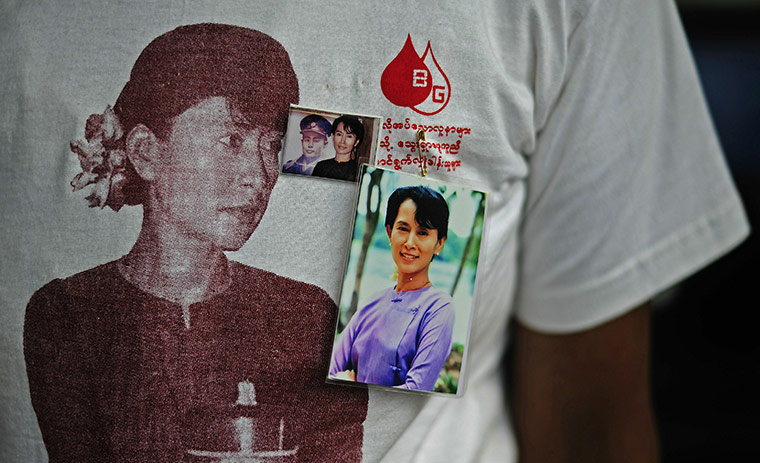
441	86
406	81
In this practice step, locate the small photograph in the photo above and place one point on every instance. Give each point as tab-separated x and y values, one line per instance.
407	296
328	144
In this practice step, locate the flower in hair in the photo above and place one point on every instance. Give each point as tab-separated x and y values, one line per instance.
102	158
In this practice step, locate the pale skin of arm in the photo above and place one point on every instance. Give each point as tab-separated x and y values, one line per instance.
585	397
347	375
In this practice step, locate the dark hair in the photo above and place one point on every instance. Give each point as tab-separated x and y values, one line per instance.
323	123
352	125
191	63
432	211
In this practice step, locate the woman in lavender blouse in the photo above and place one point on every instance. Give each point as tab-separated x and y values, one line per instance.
402	337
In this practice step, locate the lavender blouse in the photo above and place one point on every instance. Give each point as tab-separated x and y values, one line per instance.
398	339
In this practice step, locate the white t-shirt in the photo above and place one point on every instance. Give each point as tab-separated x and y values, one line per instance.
582	119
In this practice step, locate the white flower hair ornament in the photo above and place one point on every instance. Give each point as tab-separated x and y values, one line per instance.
103	160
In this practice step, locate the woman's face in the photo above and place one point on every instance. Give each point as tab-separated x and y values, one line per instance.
412	245
344	141
216	172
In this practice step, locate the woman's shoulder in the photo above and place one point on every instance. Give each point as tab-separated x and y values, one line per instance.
64	303
90	283
264	284
326	162
429	296
437	293
302	307
436	299
323	164
377	298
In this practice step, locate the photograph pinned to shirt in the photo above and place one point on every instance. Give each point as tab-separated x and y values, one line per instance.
328	144
407	298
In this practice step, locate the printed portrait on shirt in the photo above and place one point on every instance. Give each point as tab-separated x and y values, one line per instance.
407	295
174	352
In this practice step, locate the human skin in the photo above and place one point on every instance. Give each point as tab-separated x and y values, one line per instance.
312	144
344	143
412	247
585	396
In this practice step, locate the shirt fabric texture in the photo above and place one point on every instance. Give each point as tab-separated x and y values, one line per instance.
115	375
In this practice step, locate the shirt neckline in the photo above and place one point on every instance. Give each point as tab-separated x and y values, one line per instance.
113	267
400	296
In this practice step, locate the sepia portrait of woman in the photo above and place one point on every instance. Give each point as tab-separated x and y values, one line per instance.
173	352
402	337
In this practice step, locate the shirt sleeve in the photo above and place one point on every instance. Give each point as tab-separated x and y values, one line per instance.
59	380
628	191
434	346
341	355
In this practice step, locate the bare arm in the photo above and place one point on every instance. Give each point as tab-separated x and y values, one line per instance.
586	396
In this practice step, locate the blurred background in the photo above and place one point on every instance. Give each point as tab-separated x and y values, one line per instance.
706	354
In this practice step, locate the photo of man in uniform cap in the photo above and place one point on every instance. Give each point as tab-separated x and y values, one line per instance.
315	130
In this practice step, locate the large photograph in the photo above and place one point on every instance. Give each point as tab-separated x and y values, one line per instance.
408	292
175	351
